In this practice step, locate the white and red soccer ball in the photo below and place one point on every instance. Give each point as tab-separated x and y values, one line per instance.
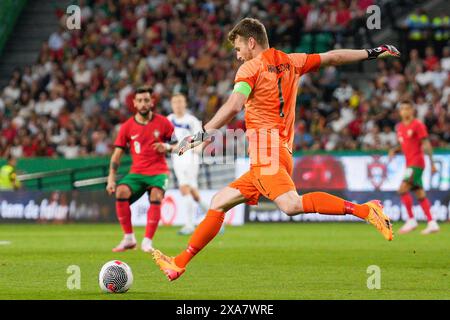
115	277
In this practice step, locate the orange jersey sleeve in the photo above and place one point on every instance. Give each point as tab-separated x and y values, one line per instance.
248	72
305	63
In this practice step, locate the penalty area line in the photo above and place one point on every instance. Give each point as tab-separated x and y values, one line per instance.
5	243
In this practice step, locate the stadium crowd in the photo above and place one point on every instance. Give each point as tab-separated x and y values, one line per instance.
336	115
72	100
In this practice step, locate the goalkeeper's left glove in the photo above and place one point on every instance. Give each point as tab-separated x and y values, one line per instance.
191	142
383	51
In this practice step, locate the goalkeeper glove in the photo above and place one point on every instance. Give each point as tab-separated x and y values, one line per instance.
191	142
383	51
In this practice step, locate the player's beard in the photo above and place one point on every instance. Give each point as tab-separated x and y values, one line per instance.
144	114
407	118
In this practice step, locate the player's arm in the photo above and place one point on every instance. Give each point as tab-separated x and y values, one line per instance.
113	167
230	108
165	147
224	115
344	56
15	182
428	149
169	140
393	151
196	127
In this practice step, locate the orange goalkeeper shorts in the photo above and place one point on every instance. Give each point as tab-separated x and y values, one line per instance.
270	180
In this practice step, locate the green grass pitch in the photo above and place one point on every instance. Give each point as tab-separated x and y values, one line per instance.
256	261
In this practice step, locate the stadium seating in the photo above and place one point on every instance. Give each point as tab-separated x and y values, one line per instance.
71	101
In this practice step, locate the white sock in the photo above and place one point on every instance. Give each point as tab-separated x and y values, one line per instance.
189	207
129	237
147	241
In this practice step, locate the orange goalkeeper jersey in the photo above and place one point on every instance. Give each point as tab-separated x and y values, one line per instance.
270	108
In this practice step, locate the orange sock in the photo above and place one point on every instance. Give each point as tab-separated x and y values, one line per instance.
205	232
325	203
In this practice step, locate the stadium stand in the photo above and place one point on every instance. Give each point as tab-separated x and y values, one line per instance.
71	101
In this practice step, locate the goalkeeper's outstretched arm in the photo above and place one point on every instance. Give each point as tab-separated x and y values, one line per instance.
344	56
227	112
224	115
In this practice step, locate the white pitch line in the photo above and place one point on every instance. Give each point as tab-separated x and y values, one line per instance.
5	243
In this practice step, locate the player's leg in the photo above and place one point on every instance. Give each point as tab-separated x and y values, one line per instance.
156	196
123	194
293	204
432	225
324	203
223	201
407	201
280	188
189	206
197	198
184	177
196	195
187	175
156	186
238	192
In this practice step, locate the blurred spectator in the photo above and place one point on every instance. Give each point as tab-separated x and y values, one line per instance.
388	138
82	75
445	61
70	149
12	91
56	44
431	60
414	63
8	178
371	140
343	92
42	107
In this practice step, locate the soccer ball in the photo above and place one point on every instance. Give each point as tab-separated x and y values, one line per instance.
115	277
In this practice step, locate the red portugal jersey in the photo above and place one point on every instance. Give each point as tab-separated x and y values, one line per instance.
140	138
410	138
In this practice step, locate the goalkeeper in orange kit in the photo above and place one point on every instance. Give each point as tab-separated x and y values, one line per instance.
266	84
